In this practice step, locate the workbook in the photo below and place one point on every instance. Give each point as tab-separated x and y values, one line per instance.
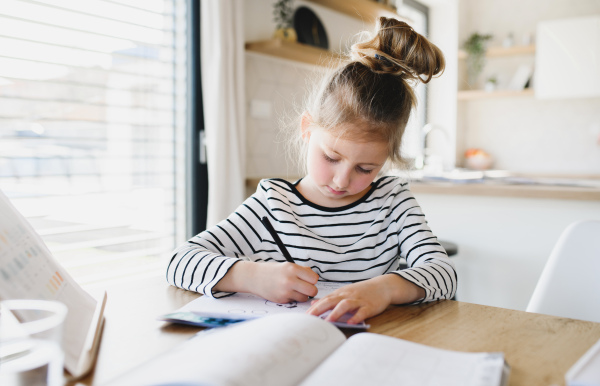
238	307
299	349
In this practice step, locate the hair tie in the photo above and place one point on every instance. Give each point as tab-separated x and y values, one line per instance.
382	58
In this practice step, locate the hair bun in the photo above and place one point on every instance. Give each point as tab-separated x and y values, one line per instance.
397	49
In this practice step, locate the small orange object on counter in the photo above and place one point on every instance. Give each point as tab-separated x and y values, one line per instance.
478	159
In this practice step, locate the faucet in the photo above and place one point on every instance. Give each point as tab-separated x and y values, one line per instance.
427	158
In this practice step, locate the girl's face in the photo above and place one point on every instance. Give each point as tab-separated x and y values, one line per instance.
340	171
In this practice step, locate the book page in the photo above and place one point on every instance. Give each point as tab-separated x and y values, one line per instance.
249	306
373	359
277	350
29	271
586	371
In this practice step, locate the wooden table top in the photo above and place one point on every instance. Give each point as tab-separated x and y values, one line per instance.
539	348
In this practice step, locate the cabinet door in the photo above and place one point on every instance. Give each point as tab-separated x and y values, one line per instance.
568	58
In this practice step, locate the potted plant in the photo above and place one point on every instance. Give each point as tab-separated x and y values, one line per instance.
283	14
491	83
475	46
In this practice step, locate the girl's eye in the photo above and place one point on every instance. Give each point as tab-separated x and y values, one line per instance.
329	159
363	171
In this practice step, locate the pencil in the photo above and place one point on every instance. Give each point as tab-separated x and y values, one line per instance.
278	241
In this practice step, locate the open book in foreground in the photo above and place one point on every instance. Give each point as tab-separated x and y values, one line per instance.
209	312
298	349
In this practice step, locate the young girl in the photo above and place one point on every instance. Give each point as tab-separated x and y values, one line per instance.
338	222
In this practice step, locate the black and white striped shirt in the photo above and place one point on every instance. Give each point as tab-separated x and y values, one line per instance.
347	244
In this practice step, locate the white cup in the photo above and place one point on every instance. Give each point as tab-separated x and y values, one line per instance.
30	343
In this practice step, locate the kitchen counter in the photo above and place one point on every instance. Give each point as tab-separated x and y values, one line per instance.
506	184
585	187
507	190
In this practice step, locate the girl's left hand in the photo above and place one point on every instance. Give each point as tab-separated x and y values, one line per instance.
364	299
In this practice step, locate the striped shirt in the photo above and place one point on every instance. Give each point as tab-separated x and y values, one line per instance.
359	241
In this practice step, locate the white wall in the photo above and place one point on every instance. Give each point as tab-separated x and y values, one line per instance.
442	103
522	133
503	243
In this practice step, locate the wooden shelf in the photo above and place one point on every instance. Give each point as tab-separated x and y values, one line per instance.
294	51
497	52
464	95
367	10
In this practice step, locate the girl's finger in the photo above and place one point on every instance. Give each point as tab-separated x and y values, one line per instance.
308	275
359	316
305	288
322	305
342	308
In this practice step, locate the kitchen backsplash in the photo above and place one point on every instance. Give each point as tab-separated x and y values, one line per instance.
533	136
275	90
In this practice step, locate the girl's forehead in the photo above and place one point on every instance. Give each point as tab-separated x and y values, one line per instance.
346	146
349	137
359	132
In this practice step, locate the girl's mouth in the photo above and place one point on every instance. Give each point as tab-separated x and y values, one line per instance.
336	192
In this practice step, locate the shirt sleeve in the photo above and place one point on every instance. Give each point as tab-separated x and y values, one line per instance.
200	263
429	266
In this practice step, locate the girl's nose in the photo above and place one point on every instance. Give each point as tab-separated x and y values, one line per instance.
342	179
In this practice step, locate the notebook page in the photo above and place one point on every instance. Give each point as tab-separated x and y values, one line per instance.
586	371
277	350
249	306
372	359
245	305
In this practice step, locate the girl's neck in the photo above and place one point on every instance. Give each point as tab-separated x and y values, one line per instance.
309	191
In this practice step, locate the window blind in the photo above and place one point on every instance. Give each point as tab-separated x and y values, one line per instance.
92	129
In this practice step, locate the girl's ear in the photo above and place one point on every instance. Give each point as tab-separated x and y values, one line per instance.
305	124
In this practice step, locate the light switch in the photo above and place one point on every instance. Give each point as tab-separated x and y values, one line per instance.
260	109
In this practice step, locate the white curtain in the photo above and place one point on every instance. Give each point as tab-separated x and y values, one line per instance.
222	51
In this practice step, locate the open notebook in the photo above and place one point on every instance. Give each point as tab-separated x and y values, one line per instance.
299	349
209	312
29	271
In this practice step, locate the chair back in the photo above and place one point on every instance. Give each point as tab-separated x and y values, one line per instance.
570	282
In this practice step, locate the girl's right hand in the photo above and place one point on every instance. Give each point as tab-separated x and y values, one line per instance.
277	282
282	282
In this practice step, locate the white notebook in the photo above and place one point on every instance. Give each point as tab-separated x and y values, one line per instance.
209	312
299	349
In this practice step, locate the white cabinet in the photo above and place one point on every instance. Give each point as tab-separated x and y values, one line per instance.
568	58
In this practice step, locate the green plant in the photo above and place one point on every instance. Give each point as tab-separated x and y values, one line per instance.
492	79
475	46
283	13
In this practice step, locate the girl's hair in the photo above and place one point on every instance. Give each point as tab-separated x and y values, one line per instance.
370	97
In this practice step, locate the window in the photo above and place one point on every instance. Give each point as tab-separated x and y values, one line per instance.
92	129
412	142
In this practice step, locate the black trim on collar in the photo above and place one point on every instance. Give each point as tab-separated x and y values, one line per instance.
292	186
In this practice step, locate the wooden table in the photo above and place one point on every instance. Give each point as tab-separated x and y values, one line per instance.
539	348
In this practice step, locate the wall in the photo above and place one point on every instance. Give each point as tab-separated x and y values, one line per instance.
522	133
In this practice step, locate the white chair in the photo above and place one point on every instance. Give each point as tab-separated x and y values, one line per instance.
570	282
